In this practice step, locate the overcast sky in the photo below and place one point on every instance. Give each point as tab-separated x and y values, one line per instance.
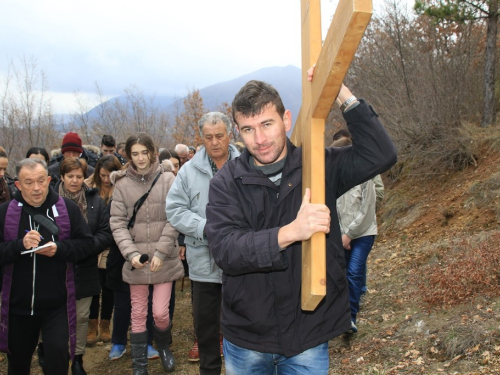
163	47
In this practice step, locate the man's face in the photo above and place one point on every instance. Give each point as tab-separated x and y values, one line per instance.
108	150
264	134
123	153
183	155
71	154
33	185
216	140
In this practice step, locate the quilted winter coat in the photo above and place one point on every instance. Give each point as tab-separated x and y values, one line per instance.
152	234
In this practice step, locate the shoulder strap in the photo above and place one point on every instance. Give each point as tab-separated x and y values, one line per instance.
140	202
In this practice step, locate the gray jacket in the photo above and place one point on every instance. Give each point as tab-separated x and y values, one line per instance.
186	204
356	211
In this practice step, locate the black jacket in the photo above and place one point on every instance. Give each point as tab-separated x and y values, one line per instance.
261	285
114	266
39	277
86	270
89	157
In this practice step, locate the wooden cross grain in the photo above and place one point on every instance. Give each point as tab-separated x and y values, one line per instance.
332	62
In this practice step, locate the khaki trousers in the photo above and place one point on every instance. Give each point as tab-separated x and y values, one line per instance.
82	323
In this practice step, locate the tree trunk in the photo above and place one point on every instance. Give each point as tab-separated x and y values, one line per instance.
489	114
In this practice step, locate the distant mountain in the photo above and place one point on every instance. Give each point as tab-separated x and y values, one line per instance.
285	79
162	102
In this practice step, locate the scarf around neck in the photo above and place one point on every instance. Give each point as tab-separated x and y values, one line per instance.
78	198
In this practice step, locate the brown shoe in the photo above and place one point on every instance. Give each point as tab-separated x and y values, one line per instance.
92	332
194	354
104	330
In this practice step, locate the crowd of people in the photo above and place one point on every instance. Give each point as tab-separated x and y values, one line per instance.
91	244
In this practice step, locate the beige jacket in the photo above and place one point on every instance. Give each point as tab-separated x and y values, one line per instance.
356	211
152	234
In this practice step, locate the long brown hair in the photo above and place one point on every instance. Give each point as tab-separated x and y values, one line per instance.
109	163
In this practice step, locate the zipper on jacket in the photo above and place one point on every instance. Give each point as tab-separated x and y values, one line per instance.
33	293
34	270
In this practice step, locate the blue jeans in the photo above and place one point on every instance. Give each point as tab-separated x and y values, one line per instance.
240	361
356	265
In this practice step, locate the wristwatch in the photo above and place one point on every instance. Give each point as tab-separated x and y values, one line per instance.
349	101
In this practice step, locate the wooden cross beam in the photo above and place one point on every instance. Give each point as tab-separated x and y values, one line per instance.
332	62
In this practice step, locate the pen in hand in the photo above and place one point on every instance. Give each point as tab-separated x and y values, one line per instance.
27	231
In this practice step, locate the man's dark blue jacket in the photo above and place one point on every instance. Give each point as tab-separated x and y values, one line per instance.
261	285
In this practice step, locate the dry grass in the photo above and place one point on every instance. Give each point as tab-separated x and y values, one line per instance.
467	271
486	194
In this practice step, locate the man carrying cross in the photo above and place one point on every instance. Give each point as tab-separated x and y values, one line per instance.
257	219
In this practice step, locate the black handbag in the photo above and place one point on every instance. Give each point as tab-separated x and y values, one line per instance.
140	202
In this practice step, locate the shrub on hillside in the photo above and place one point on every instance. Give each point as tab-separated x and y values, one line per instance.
465	272
486	194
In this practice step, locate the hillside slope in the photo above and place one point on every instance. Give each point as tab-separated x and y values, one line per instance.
433	305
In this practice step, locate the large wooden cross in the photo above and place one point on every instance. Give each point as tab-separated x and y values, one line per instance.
332	62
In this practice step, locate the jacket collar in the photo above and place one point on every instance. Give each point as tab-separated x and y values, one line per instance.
89	192
50	200
293	161
164	166
200	159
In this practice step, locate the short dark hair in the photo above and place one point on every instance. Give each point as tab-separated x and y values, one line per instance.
141	139
164	155
108	140
120	146
167	154
3	154
36	150
70	164
254	97
342	133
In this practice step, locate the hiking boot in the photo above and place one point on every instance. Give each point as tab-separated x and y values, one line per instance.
92	332
117	351
194	354
104	331
152	353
